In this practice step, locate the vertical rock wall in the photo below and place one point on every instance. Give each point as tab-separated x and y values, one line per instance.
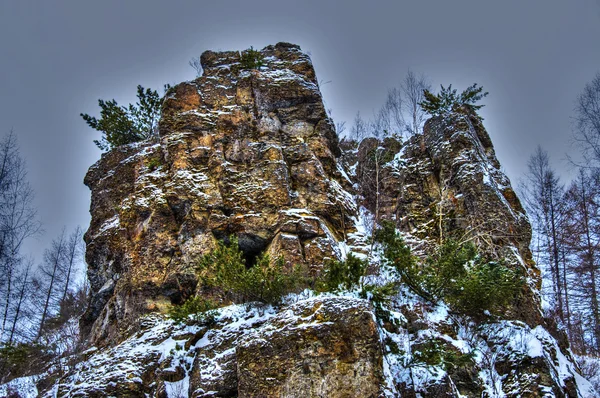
249	153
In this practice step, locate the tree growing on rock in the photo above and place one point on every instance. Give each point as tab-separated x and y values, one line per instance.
448	100
122	125
413	87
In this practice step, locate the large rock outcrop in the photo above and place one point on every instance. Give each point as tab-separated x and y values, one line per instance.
319	347
447	184
251	153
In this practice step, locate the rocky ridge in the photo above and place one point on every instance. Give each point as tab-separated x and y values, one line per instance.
252	153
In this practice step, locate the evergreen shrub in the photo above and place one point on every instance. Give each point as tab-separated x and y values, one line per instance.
251	59
455	273
196	309
266	281
342	275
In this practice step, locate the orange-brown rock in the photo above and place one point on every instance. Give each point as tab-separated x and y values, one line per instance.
250	153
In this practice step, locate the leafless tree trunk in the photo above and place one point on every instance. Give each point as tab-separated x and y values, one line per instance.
359	130
583	231
543	196
587	117
196	65
73	250
413	87
18	219
21	299
395	105
53	259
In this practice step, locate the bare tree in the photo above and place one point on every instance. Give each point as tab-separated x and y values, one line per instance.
72	256
587	118
196	65
394	104
403	107
380	125
359	129
24	289
18	220
340	127
50	273
583	236
413	87
543	195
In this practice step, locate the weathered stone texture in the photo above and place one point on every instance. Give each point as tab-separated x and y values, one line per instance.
252	153
318	348
249	153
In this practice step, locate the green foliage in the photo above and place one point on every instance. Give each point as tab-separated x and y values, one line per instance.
379	294
446	268
380	297
432	353
199	310
469	283
428	353
392	346
397	255
449	101
342	275
266	281
251	59
153	163
487	286
23	359
123	125
455	273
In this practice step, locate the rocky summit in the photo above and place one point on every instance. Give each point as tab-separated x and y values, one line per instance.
251	153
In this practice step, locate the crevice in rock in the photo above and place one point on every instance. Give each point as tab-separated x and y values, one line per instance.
252	246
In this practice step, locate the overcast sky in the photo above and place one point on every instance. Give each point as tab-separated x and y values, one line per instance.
58	57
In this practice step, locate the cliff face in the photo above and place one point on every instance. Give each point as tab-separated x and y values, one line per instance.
447	184
252	153
241	152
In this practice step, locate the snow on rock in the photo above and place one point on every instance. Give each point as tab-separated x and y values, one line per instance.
25	387
336	337
252	153
237	148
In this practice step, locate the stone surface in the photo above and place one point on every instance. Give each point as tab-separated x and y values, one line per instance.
317	348
252	153
249	153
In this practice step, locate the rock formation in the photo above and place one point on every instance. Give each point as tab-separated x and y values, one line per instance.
252	153
447	183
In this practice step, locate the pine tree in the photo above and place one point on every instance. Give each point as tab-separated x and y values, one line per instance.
448	100
123	125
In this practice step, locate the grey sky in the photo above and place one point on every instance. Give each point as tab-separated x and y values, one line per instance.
58	57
